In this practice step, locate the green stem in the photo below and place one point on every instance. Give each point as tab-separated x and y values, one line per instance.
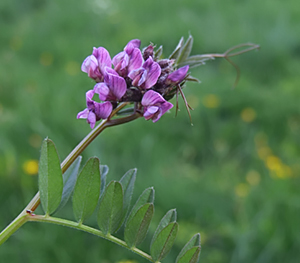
88	229
22	218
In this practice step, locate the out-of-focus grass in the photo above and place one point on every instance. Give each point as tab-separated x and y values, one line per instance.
233	175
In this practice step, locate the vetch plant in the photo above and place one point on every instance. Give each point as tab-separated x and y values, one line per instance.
134	83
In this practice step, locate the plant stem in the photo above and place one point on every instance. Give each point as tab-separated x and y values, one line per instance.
34	203
88	229
22	218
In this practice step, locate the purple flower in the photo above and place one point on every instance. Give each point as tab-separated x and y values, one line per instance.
95	64
154	105
95	110
129	59
147	75
178	75
113	88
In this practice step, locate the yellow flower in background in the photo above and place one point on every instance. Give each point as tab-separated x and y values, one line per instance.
31	167
72	68
277	168
264	152
253	177
248	114
127	261
273	163
242	190
211	101
46	58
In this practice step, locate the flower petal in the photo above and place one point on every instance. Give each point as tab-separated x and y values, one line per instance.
166	106
131	45
89	62
151	98
83	114
178	75
136	60
118	58
91	119
150	111
153	74
102	56
89	95
154	105
117	86
102	89
103	110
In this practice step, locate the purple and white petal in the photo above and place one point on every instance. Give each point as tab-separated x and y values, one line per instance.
131	45
148	114
166	106
154	71
154	105
83	114
178	75
117	86
110	71
102	56
103	110
91	119
102	90
89	62
152	98
136	60
89	95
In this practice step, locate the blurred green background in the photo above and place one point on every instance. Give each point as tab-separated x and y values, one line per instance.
233	176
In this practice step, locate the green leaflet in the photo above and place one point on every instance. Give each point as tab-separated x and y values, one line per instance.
164	241
127	182
103	171
185	50
190	256
146	197
50	177
137	227
176	51
169	217
69	178
87	190
158	52
110	211
191	251
195	61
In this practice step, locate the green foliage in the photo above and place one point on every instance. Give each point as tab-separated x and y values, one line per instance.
50	177
127	182
164	241
103	171
87	190
170	217
137	225
110	211
113	205
184	50
69	180
191	251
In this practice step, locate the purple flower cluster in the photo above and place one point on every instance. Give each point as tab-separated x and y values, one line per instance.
136	76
